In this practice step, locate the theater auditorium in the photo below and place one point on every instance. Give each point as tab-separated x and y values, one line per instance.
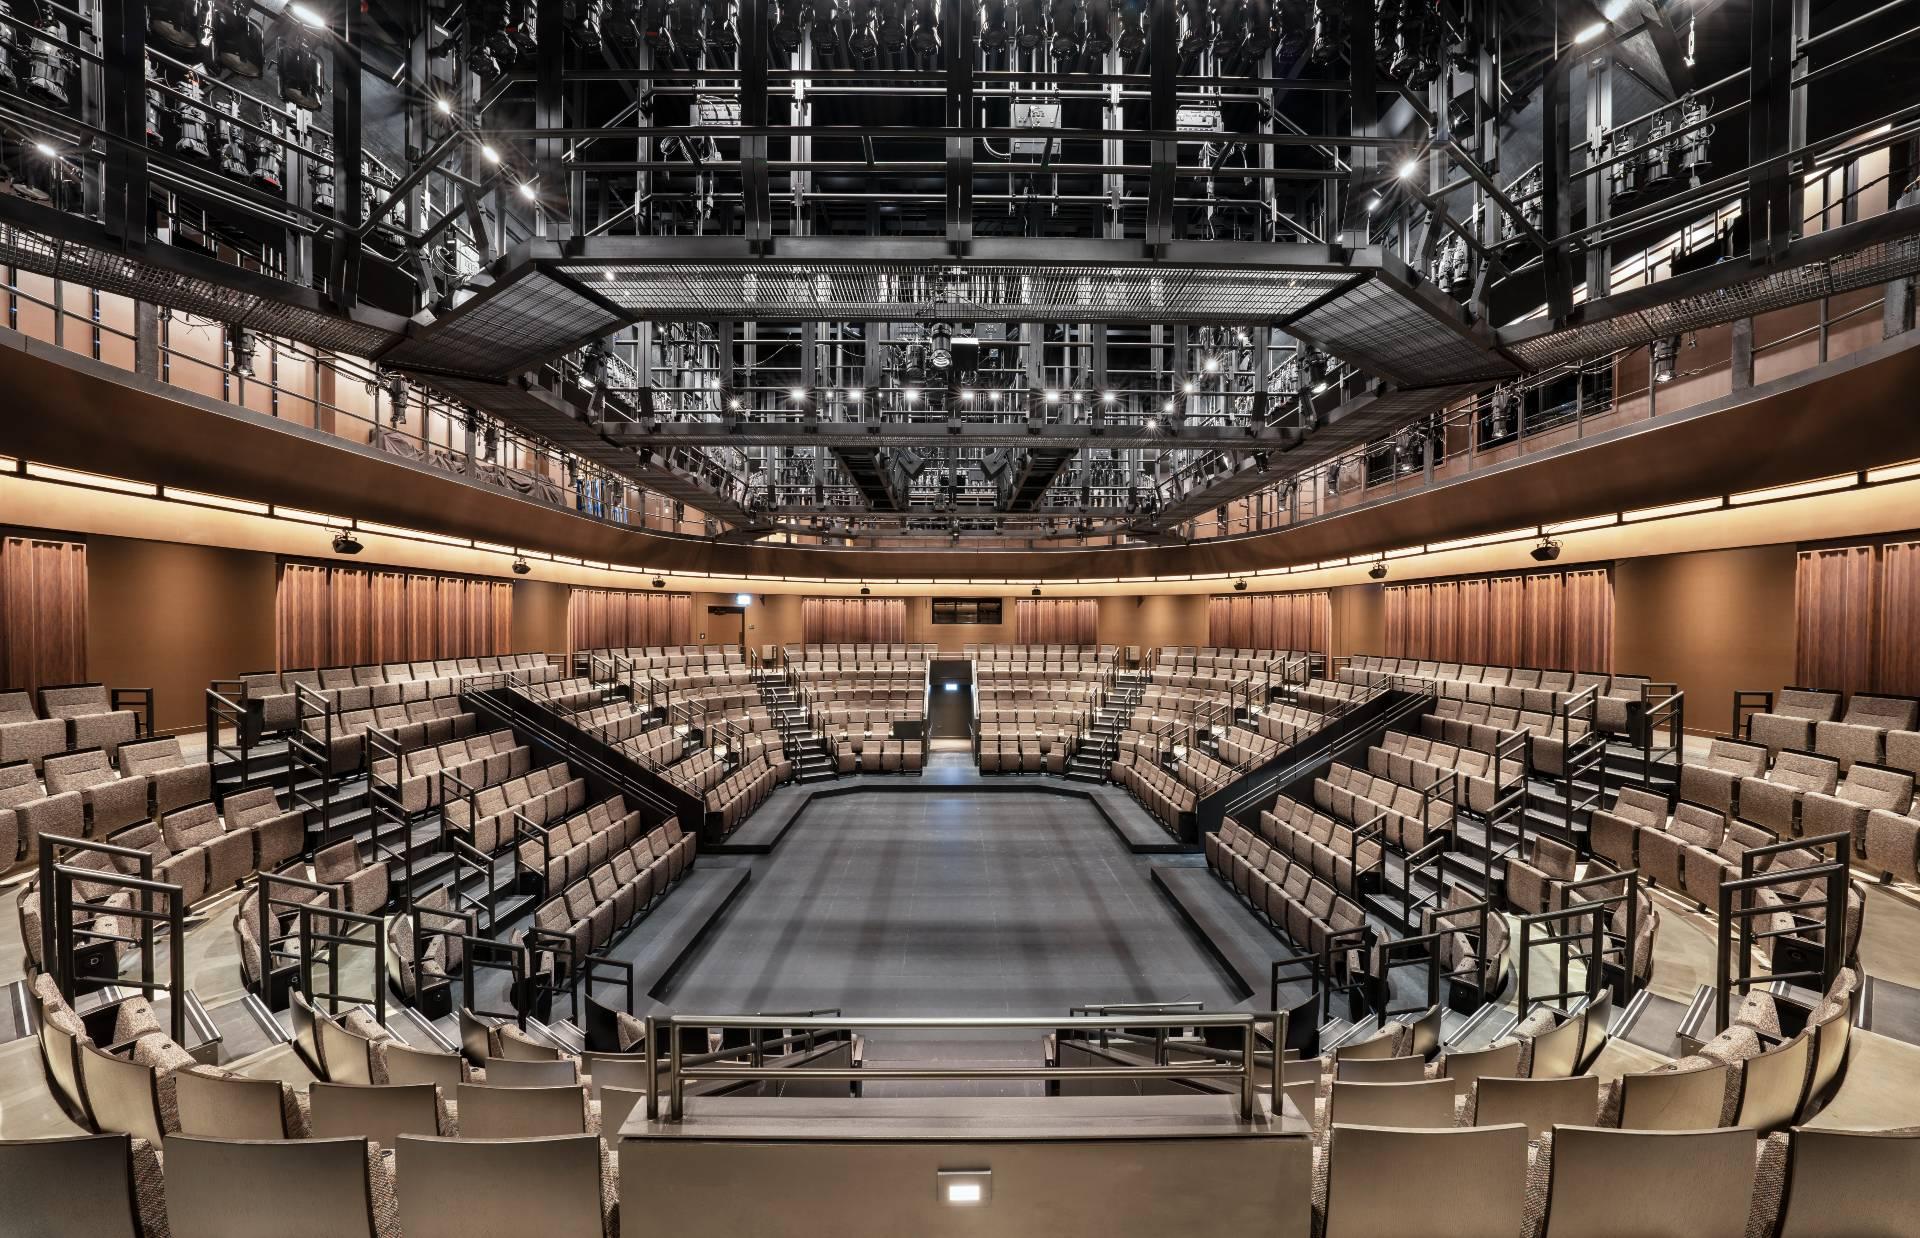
959	619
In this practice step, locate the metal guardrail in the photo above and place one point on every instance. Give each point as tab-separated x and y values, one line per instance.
61	940
1735	923
681	1070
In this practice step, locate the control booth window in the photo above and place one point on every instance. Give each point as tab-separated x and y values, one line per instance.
966	610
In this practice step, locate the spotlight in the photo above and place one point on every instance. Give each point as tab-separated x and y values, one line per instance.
1546	552
865	592
241	342
1189	387
306	16
659	583
46	150
1409	169
177	23
345	543
824	30
743	599
489	154
303	79
527	190
521	567
443	106
236	39
1036	591
785	36
1379	570
1031	24
1239	586
1211	365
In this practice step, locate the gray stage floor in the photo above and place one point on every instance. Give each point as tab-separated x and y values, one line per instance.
948	904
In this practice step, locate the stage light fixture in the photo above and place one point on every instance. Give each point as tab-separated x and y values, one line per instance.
303	79
1031	24
824	29
1098	38
1133	33
659	583
864	591
926	28
1240	586
892	31
785	35
345	543
1036	591
1379	570
177	23
1546	552
521	567
237	45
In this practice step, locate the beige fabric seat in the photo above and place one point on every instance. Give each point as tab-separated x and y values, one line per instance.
91	719
1467	1183
82	1186
1538	1105
506	1188
1603	1183
25	735
1714	780
173	779
302	1188
1790	722
1848	1184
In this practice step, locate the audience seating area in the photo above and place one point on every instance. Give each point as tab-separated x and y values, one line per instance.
596	904
269	696
1510	687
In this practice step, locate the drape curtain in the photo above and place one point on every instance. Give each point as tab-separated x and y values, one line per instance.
1298	621
1855	614
330	615
1056	621
43	613
627	619
857	620
1547	620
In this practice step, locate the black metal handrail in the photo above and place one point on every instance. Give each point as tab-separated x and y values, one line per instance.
485	954
60	938
332	937
313	753
1663	710
1542	929
387	807
226	706
1424	948
1734	921
270	935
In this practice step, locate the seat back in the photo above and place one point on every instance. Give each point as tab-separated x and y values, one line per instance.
230	1108
1380	1070
521	1113
507	1072
1851	1184
123	1095
1537	1104
1775	1083
1502	1061
296	1188
1557	1052
73	1187
406	1064
1652	1184
1468	1182
506	1188
1677	1100
1426	1105
381	1113
348	1055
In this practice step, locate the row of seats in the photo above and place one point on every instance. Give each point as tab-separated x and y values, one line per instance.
1541	691
1101	654
269	696
68	717
477	761
1286	724
1288	895
1572	1181
669	657
153	777
206	850
595	909
861	652
1336	853
1163	794
1474	724
1014	750
1240	661
1240	747
1409	818
1692	848
1800	794
563	851
412	725
866	754
734	798
1875	729
1471	778
488	818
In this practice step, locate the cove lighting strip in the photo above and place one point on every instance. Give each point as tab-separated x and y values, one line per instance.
1866	479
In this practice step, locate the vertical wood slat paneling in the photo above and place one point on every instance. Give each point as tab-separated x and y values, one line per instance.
627	618
858	620
1298	621
1897	662
43	613
1056	621
331	615
1548	620
1835	613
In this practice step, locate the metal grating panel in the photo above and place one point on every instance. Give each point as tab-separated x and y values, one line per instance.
508	330
128	276
1874	264
888	291
1384	332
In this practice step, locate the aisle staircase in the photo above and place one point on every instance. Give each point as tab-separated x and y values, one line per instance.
1100	742
812	758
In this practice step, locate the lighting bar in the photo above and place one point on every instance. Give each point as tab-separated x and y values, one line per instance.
1799	489
93	481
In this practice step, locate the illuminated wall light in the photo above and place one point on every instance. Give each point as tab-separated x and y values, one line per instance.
1894	472
294	513
1588	34
1575	526
1799	489
1485	539
1671	509
1405	552
390	530
216	500
93	481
